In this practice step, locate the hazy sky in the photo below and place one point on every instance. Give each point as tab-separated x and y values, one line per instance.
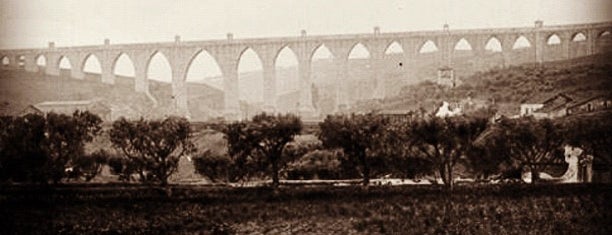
33	23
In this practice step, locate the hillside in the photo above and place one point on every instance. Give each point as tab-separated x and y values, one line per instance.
408	87
18	89
507	88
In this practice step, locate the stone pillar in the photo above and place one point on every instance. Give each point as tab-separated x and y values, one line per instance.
14	61
269	79
30	63
179	92
507	51
539	42
52	66
376	61
140	59
565	45
231	96
590	41
305	107
341	64
76	71
106	64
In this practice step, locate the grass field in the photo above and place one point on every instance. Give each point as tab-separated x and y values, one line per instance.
480	209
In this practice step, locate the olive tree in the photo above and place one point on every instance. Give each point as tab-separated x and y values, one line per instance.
444	141
153	147
262	140
357	136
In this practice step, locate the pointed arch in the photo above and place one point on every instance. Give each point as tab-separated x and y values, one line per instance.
64	63
321	53
394	48
41	60
123	66
521	42
158	67
553	39
250	77
286	56
287	77
463	45
428	47
359	51
91	64
604	33
578	37
21	61
5	61
493	44
203	67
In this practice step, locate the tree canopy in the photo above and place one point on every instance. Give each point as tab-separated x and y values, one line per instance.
153	147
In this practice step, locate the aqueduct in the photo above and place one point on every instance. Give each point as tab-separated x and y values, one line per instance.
546	43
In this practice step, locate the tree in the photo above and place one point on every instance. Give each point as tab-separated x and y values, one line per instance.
444	141
36	148
357	136
153	147
64	140
21	155
531	142
489	155
264	138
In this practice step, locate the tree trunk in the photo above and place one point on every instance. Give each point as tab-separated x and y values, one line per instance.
275	181
535	174
365	172
442	171
450	182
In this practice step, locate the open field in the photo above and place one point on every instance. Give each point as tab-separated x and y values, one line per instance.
478	209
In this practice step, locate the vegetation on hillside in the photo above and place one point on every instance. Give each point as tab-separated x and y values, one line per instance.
506	88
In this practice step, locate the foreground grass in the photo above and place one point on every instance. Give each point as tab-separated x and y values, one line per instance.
515	209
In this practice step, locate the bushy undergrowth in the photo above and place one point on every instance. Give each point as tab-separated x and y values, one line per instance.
490	209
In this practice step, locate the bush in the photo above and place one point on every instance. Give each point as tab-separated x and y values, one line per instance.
317	164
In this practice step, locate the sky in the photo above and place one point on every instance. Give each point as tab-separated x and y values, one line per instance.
34	23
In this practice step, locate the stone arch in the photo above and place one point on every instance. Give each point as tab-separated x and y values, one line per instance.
91	58
321	49
249	61
245	50
462	45
122	56
211	63
21	61
603	34
359	48
287	82
203	68
578	37
61	60
163	59
283	49
521	42
394	47
493	44
41	60
553	39
5	61
428	46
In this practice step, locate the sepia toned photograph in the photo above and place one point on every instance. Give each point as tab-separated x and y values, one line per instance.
306	117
